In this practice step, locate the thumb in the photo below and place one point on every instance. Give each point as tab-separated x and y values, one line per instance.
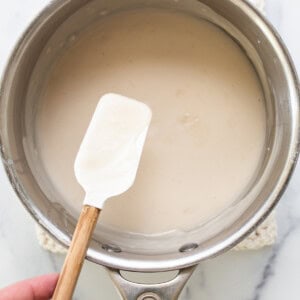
38	288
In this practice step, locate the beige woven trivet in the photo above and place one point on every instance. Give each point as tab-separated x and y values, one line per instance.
264	235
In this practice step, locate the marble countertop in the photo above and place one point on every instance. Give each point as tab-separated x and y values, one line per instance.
268	274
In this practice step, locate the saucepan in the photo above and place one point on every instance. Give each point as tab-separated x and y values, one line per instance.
176	250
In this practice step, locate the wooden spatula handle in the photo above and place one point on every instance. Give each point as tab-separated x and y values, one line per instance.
76	254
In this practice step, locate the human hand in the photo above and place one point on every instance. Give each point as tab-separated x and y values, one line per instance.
38	288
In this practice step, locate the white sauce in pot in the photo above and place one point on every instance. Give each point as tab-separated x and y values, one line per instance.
207	132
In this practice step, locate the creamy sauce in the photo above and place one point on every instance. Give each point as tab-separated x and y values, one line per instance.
207	133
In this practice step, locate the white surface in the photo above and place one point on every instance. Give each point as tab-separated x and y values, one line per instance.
269	274
110	152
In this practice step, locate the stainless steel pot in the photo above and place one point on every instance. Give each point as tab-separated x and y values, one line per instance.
24	76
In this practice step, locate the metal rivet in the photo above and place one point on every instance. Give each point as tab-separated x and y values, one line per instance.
149	296
111	248
188	247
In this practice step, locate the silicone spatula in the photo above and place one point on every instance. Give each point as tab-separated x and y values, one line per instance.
105	166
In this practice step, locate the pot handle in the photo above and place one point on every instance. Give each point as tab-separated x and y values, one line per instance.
169	290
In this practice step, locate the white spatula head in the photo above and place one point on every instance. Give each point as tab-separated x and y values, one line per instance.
109	155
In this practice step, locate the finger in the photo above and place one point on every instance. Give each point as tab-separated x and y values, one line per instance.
39	288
